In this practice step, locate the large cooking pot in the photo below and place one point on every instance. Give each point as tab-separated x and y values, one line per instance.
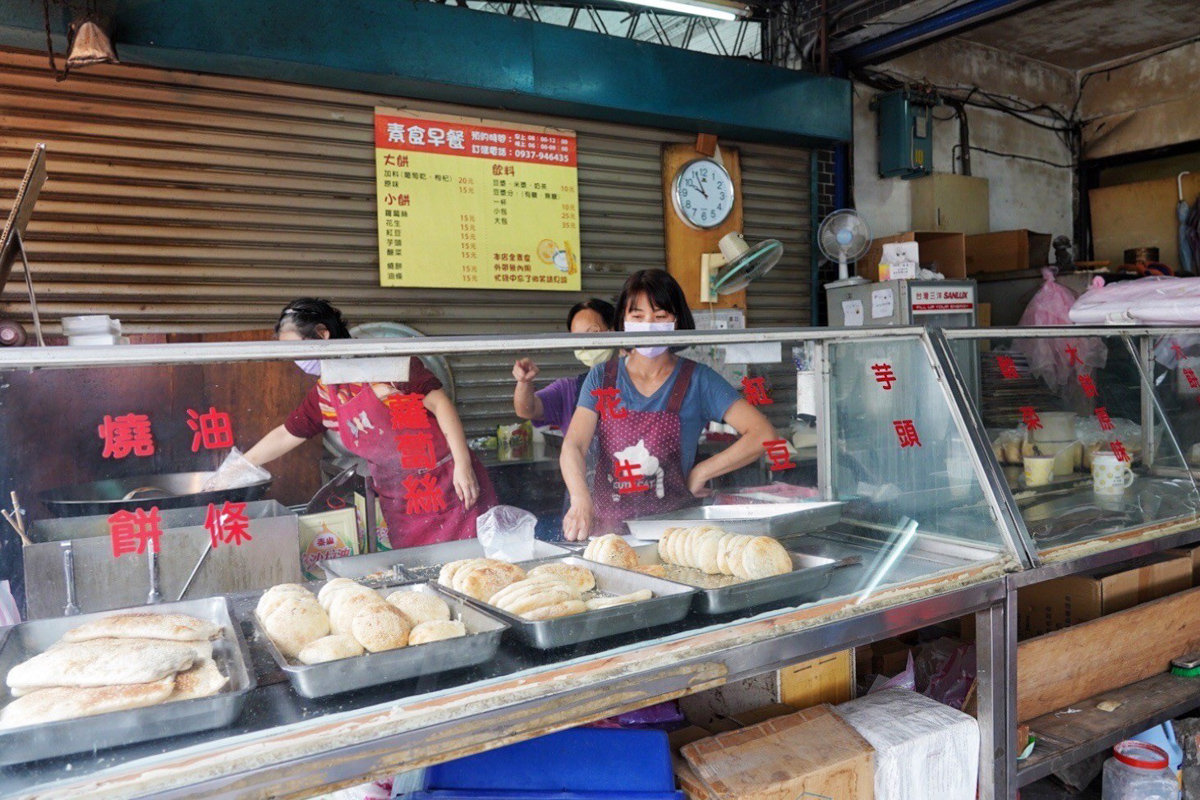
169	490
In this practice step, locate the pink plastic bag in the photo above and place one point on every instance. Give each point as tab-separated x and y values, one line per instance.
1049	359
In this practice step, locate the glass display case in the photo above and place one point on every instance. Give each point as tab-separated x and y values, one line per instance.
1092	431
874	479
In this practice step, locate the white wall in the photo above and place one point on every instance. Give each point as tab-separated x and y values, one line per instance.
1023	194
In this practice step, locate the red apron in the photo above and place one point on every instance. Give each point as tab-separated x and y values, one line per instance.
365	425
659	432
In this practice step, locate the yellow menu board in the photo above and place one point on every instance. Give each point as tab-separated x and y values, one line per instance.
473	204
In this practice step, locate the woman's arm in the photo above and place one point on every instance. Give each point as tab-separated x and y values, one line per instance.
275	444
754	429
577	524
466	485
526	403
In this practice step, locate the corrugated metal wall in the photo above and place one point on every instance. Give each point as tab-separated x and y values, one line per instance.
181	202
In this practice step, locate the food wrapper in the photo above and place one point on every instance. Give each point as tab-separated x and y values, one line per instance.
506	533
235	472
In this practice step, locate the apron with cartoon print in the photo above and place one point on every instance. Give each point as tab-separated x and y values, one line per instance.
639	467
419	505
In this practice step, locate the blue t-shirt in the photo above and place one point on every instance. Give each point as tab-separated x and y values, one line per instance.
707	399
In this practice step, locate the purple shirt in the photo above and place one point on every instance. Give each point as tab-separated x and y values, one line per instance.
558	401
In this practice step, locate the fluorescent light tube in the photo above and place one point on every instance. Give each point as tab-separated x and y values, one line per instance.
701	8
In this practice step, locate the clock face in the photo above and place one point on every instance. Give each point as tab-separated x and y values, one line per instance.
703	194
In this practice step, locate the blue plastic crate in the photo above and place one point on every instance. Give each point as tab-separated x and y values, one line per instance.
578	764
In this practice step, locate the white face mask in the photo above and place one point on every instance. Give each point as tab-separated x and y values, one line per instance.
591	358
650	327
311	366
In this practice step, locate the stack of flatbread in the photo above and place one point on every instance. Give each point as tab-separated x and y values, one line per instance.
115	663
548	591
611	549
717	552
346	619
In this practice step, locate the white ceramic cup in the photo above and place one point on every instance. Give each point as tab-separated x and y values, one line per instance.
1039	470
1110	475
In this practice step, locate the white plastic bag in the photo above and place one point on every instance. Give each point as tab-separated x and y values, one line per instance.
9	615
235	472
506	533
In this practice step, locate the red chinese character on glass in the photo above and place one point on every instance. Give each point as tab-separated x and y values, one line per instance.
1178	351
1031	419
884	375
1118	450
416	450
227	524
1189	375
1008	368
128	433
421	495
628	477
213	430
906	431
131	530
608	403
1073	354
1106	424
781	457
755	390
1088	385
408	411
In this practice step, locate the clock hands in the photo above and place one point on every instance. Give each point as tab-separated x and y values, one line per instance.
700	188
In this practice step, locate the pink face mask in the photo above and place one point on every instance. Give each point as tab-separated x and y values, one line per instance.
650	327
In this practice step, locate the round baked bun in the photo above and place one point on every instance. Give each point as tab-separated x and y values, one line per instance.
295	624
381	626
436	630
420	607
330	648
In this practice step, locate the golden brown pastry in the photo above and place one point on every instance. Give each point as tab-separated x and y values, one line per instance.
612	550
330	648
381	626
436	630
296	623
579	577
419	606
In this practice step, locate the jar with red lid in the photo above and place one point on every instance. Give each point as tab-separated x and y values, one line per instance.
1139	771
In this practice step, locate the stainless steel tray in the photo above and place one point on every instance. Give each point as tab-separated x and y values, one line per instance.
670	603
86	734
372	669
419	563
809	576
760	519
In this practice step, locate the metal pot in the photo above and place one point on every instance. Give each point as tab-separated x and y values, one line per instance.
169	490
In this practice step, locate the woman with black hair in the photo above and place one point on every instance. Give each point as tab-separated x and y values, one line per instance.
646	412
431	487
554	404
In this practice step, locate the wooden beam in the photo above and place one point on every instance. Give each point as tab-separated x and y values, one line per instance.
1067	666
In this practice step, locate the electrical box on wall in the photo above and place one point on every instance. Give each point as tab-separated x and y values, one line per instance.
905	124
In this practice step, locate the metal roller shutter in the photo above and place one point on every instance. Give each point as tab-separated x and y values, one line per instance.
187	202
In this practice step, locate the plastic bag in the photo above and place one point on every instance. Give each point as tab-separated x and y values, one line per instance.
506	533
905	680
1050	359
235	472
9	615
1146	301
946	671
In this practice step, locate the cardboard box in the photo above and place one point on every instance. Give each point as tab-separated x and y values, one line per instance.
1007	251
943	252
889	657
1067	601
764	713
1192	552
693	788
828	679
812	753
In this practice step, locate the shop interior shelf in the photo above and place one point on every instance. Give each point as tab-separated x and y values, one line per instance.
1081	730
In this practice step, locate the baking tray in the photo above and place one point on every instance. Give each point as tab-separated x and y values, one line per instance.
670	603
86	734
759	519
372	669
808	578
419	563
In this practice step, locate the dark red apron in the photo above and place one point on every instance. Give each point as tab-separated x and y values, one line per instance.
365	425
664	491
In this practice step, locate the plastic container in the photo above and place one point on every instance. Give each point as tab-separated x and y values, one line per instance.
92	330
1163	737
1139	771
601	763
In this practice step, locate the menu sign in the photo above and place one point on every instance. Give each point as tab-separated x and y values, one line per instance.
473	204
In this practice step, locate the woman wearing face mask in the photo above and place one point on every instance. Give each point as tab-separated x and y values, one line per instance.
554	404
431	487
646	412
